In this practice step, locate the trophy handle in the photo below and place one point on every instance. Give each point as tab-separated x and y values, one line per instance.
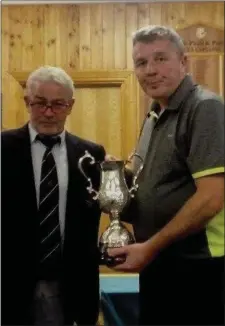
90	188
134	187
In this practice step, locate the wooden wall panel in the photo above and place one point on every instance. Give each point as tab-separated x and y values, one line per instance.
13	114
94	36
98	36
97	116
206	69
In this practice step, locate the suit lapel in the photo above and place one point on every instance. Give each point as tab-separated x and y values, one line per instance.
76	192
74	152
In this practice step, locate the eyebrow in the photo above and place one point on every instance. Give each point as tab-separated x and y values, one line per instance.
40	97
156	53
43	98
160	53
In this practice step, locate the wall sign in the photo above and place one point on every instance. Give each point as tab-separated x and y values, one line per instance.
202	38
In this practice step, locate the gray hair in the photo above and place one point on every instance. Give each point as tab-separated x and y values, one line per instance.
152	33
49	73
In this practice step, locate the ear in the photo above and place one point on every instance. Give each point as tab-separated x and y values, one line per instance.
70	106
184	63
184	60
26	100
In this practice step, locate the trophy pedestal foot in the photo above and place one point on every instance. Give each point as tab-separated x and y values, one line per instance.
110	261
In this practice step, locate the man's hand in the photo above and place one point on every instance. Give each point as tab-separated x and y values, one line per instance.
110	157
138	256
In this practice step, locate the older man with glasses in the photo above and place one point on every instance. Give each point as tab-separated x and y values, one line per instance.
49	225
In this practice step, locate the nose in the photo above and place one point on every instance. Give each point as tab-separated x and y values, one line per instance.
48	112
151	69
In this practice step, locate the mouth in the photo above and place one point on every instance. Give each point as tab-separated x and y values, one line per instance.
48	123
154	85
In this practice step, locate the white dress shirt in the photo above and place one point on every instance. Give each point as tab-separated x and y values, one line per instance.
47	304
60	155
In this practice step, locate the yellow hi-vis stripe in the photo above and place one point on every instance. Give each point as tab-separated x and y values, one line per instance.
215	235
208	172
215	227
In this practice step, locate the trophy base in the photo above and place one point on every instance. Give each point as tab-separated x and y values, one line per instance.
110	261
115	236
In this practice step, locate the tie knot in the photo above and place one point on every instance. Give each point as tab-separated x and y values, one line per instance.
48	141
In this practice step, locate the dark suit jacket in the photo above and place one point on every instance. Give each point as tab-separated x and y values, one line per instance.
80	275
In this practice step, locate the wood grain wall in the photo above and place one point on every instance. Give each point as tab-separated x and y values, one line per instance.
92	36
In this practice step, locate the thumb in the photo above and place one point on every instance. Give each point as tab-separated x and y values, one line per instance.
117	251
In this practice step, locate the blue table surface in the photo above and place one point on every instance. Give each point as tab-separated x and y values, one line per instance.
119	283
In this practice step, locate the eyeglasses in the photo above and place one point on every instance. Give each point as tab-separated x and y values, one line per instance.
54	106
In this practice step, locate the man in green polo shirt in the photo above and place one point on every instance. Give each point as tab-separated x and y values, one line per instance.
177	215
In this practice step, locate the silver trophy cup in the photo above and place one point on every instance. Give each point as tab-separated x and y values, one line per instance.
113	196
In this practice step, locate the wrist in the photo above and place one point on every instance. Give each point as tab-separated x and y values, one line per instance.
156	243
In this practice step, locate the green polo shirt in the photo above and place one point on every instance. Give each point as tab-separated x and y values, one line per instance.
187	143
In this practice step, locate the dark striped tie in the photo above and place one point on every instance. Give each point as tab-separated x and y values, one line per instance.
50	238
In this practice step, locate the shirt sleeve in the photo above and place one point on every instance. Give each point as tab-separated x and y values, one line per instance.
206	151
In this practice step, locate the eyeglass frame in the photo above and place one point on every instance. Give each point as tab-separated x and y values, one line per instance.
44	106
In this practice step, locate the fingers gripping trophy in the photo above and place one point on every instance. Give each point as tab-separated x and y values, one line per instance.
113	197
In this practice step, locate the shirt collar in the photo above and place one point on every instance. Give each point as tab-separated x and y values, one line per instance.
33	134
